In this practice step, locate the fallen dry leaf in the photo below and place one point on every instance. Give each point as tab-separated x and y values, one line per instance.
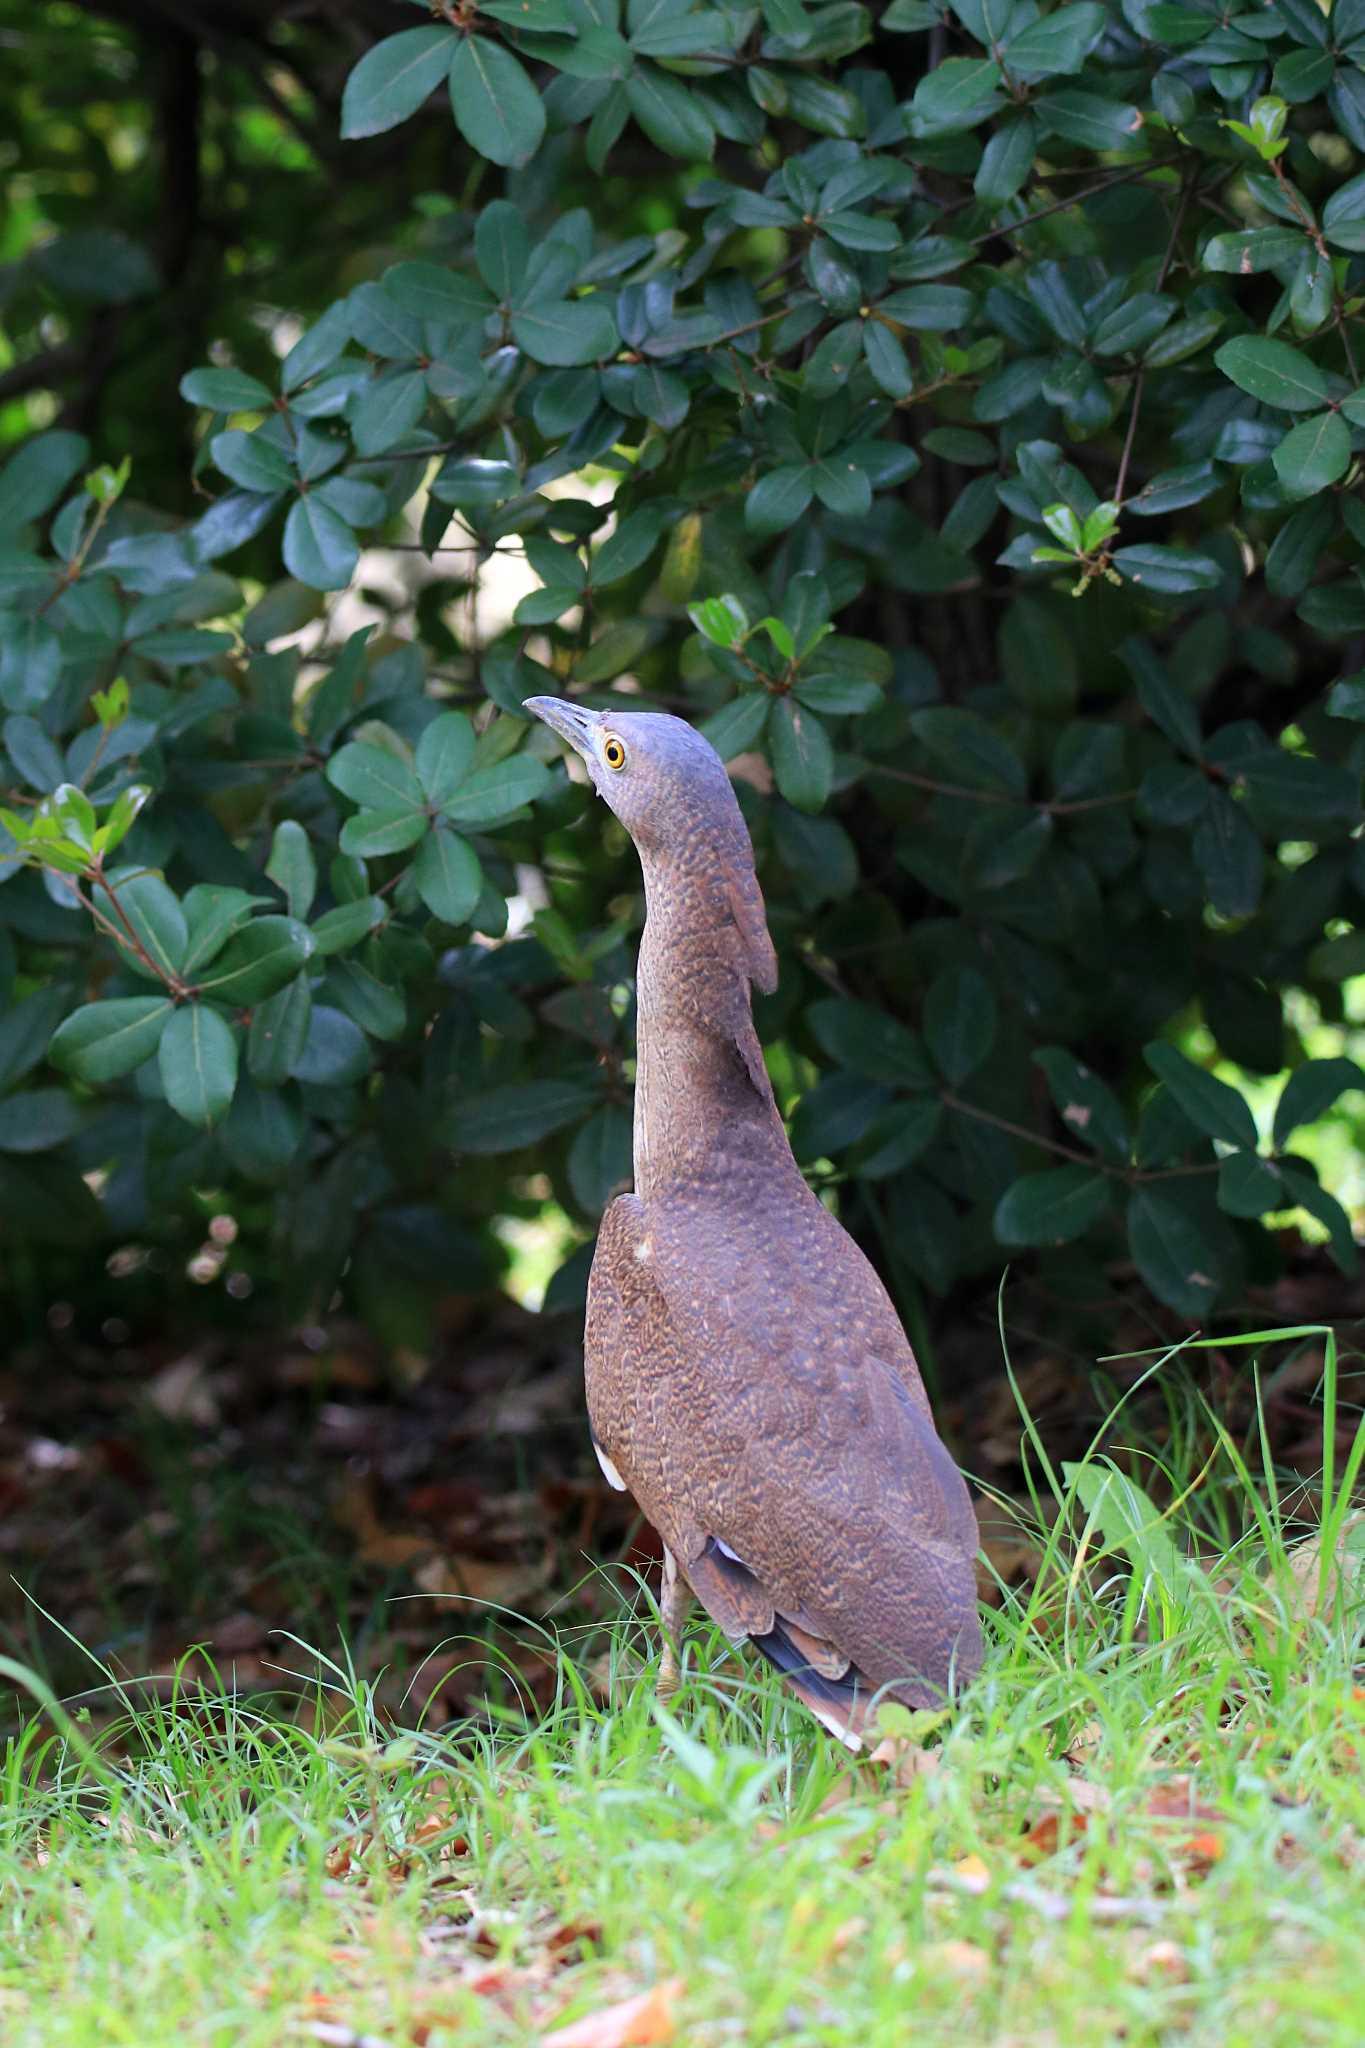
972	1874
1309	1591
631	2023
962	1959
1084	1747
1162	1960
456	1580
1175	1800
1049	1833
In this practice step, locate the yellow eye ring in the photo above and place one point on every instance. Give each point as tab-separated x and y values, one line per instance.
613	752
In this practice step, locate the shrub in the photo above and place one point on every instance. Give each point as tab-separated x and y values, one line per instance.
957	413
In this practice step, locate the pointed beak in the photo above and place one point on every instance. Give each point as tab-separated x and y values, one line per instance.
571	721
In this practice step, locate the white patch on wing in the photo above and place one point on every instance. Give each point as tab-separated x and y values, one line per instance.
726	1551
846	1736
612	1476
643	1249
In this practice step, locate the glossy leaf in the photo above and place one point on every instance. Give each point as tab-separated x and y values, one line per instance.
393	79
103	1041
197	1059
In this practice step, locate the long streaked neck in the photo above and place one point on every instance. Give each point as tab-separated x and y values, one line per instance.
705	1117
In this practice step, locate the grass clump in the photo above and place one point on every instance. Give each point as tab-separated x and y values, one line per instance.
1144	1824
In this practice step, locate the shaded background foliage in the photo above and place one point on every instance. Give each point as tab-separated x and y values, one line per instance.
957	412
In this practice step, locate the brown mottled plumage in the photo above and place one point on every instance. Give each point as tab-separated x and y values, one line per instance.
747	1376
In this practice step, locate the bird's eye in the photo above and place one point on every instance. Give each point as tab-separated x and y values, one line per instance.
613	752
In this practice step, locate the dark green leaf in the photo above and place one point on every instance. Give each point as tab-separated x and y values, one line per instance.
1173	571
335	1051
251	460
968	749
1007	160
391	81
262	957
957	94
1327	1210
102	1041
625	550
1273	372
380	780
212	914
1174	1250
225	391
802	758
566	331
1229	857
600	1158
155	915
1166	705
379	1009
197	1059
386	411
502	248
444	755
1311	1090
1086	1105
292	868
960	1020
265	1132
1057	43
1248	1185
869	1042
507	1118
887	360
336	931
97	264
738	725
1052	1207
372	833
34	478
37	1120
1209	1103
496	107
448	875
1086	118
279	1030
670	115
842	486
1343	217
491	794
933	308
1314	454
30	662
778	499
319	547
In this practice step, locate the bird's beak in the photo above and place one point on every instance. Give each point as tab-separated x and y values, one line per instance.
571	721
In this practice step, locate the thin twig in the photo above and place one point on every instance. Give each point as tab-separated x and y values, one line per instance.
1018	227
1130	1175
1139	385
1053	807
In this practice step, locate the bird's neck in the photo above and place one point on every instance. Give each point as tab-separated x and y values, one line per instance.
705	1117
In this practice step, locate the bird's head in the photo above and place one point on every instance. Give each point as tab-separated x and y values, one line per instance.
669	788
663	780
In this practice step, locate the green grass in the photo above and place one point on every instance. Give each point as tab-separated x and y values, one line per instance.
1144	1824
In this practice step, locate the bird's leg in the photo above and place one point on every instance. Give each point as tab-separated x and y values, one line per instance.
675	1598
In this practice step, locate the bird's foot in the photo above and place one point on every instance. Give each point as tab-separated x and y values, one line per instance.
670	1672
675	1600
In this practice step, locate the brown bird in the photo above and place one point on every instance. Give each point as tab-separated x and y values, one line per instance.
747	1376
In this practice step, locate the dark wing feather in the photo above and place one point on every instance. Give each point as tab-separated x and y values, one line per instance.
794	1473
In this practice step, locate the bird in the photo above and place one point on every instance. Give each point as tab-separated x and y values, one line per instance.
748	1379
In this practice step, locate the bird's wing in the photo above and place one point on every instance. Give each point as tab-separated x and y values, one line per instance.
802	1489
